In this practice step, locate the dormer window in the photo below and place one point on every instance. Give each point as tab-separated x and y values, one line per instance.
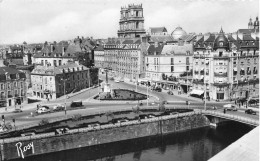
221	44
247	43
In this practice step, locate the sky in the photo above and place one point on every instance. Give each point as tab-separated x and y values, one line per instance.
37	21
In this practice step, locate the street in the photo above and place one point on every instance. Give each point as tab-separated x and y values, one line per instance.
174	101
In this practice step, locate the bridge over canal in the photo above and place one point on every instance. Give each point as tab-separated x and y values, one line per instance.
217	118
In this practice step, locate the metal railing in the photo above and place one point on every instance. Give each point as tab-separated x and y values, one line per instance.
232	117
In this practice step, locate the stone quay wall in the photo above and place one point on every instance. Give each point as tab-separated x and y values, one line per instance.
21	147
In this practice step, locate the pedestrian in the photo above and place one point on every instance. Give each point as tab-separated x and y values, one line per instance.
6	109
20	107
235	101
224	110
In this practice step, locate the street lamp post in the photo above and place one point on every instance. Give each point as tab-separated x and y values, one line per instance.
64	80
205	85
147	93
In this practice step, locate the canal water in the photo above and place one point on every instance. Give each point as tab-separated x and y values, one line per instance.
194	145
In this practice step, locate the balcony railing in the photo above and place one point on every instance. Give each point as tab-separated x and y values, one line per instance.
198	81
10	96
16	95
220	84
220	74
248	72
255	72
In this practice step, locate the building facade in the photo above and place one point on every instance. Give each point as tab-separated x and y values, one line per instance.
12	87
225	66
131	23
99	57
50	82
125	58
166	63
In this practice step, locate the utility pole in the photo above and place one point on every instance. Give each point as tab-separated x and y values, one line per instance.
205	85
89	83
147	93
98	86
64	80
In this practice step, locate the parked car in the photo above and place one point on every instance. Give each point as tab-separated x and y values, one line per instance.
170	92
76	104
157	89
230	107
250	111
17	110
117	81
253	101
43	109
165	102
59	108
214	108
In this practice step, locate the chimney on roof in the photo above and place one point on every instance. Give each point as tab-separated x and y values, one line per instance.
51	47
63	50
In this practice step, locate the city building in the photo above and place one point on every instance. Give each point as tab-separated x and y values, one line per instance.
159	35
51	82
12	86
226	66
157	31
166	63
125	57
53	55
99	57
131	23
56	54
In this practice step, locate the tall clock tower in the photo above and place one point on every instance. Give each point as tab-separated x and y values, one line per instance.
131	23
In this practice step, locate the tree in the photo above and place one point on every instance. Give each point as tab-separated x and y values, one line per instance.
136	110
109	114
162	106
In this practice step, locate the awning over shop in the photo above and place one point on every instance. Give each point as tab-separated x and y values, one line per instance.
242	69
235	69
197	92
142	80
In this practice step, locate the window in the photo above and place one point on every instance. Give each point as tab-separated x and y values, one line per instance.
2	86
172	68
55	63
187	68
59	62
220	54
172	61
